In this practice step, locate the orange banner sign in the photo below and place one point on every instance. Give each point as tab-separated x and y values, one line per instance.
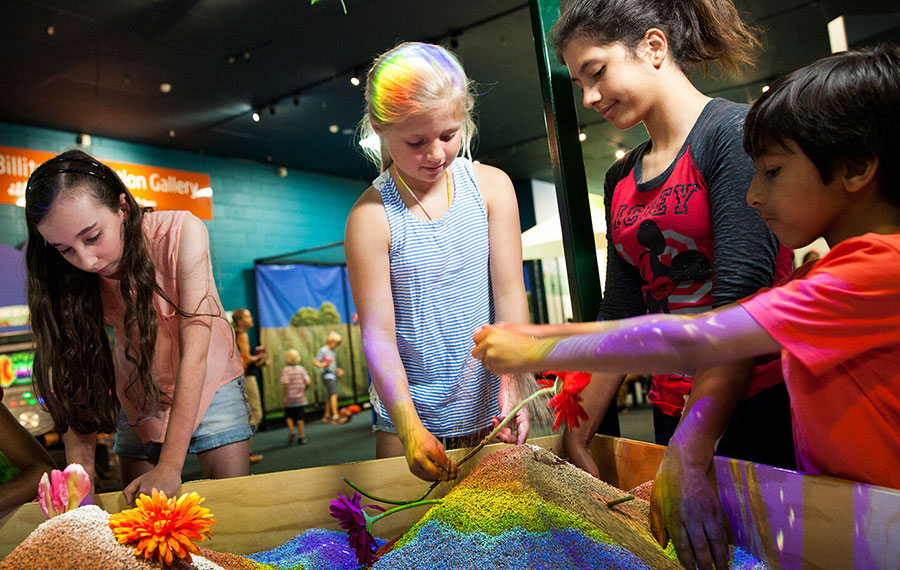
161	188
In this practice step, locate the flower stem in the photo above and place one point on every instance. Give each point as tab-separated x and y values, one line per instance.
370	520
501	425
390	501
551	390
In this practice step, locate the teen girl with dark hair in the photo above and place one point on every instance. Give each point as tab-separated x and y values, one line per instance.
171	381
682	238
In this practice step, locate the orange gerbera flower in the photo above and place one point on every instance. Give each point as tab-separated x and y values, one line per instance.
163	528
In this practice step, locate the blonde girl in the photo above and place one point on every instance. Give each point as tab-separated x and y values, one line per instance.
433	252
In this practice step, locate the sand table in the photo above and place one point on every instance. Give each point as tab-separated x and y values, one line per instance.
522	507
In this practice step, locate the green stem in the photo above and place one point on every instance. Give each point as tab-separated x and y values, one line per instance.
389	501
489	437
620	500
370	520
509	416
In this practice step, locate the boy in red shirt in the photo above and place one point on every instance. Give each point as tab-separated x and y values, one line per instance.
825	141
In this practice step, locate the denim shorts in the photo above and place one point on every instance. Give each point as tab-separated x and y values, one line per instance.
227	420
330	381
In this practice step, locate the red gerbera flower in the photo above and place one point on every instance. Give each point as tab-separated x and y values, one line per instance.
349	513
566	401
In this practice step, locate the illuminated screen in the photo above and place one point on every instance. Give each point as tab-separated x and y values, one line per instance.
15	368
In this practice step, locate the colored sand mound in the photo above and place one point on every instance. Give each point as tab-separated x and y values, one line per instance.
522	507
315	549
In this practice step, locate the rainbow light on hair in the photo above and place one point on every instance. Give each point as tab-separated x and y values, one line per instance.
398	81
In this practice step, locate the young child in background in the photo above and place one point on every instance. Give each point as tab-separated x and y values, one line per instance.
433	250
172	384
27	455
294	380
681	237
326	359
825	140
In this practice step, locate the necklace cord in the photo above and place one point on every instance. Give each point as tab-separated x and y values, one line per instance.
416	198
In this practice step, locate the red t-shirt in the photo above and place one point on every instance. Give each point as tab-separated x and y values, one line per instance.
840	329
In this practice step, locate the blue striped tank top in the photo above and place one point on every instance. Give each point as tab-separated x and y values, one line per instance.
442	293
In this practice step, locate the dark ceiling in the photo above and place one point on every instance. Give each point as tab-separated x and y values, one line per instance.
99	72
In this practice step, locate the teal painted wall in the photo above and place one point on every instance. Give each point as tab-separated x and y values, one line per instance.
255	213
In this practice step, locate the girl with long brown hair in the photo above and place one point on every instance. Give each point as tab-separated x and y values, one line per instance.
171	381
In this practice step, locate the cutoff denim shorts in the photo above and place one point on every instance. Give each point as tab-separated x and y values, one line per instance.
227	420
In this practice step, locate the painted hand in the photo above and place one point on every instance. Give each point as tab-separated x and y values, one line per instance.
505	348
426	457
684	507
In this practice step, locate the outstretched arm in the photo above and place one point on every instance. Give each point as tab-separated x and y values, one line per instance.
645	344
366	243
508	287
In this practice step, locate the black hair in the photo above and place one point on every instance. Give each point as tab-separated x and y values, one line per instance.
698	31
845	106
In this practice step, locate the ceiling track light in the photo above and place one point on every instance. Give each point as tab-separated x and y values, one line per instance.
255	116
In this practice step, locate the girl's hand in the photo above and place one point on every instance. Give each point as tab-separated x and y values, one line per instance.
340	371
426	457
516	431
577	447
506	349
159	478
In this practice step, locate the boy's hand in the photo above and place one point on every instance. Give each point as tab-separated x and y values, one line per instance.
684	507
506	349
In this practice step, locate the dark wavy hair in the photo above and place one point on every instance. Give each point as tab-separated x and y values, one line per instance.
845	106
698	31
73	366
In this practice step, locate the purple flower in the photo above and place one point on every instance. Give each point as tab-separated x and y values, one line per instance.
349	513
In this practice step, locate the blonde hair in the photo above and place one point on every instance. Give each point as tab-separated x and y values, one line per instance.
333	337
291	357
415	78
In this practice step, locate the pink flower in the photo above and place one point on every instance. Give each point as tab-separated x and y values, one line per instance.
63	491
566	401
349	513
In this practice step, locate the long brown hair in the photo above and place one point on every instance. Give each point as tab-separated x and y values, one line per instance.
698	31
73	366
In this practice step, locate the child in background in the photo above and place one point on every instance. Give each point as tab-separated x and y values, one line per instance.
326	359
242	320
825	140
172	384
433	251
681	237
294	380
28	456
251	361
